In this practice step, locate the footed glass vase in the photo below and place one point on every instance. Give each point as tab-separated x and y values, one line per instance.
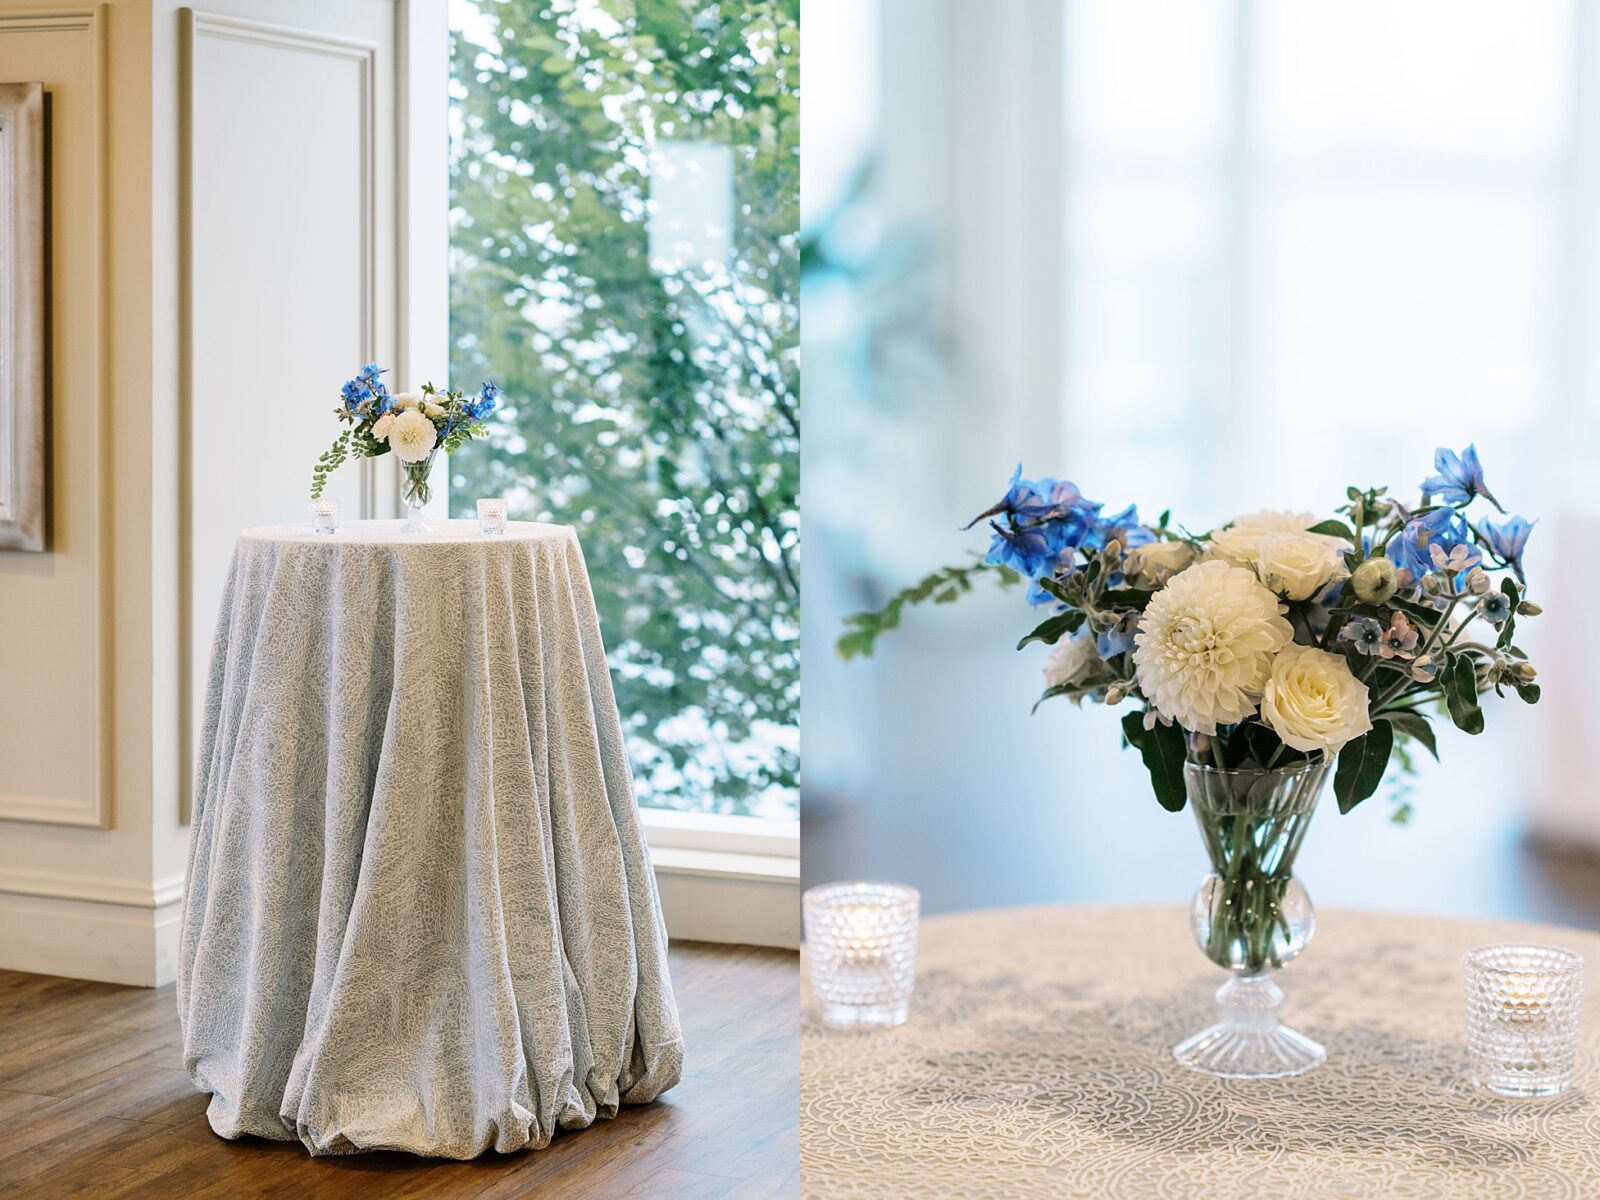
1251	915
416	491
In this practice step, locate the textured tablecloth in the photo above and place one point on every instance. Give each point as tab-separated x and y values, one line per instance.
419	912
1037	1063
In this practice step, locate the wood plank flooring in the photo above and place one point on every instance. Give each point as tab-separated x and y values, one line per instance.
94	1103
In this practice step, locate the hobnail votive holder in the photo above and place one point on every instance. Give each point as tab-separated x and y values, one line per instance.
862	942
1522	1018
492	516
324	516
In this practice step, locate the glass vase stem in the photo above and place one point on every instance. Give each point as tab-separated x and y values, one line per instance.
1251	915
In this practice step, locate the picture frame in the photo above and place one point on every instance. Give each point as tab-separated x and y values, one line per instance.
22	317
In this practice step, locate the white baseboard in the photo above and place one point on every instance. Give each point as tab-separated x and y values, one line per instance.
115	932
89	939
746	899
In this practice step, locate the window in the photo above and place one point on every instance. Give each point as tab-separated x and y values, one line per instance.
1273	210
624	264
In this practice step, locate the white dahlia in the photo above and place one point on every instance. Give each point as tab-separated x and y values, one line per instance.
1312	701
381	427
412	437
1240	544
1206	644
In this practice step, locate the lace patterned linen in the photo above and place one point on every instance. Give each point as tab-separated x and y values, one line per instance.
420	914
1038	1063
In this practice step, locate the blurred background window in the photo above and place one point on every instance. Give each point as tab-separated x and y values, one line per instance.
625	194
1281	217
1212	256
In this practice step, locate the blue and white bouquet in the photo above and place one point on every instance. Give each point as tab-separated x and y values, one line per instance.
413	425
1276	638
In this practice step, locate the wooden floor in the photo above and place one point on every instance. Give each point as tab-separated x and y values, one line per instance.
94	1102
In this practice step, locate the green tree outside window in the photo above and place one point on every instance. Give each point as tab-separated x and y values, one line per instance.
650	394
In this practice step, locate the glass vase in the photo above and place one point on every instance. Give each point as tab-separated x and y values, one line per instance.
416	491
1251	915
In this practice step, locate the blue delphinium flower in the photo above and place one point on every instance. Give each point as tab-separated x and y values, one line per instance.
367	389
1364	633
1410	549
1506	541
1118	639
1123	526
1459	478
484	403
1042	525
1032	550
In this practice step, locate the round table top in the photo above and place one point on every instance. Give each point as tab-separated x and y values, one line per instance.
1037	1063
455	531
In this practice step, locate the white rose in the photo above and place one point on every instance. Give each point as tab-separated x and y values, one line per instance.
413	437
1238	544
381	427
1296	565
1070	660
1312	701
404	400
1159	561
432	409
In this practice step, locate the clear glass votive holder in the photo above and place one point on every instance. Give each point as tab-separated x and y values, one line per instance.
862	942
492	516
1522	1018
324	516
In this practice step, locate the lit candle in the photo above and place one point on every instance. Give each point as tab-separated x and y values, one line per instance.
324	515
862	942
1522	1001
862	933
1522	1018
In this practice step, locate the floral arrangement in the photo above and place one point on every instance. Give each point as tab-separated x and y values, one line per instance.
413	425
1273	639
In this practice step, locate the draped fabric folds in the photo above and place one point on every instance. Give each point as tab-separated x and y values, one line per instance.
420	914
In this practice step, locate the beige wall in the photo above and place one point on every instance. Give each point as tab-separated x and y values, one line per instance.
189	291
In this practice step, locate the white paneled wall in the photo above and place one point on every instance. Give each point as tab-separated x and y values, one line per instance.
227	225
55	735
289	273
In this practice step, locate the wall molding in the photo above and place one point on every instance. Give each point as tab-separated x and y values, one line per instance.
96	809
91	889
195	27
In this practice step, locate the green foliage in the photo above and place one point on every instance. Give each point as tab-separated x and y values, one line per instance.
1415	726
1162	748
944	586
1361	765
1334	529
1459	679
656	411
353	442
1050	630
330	461
1508	630
1125	597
